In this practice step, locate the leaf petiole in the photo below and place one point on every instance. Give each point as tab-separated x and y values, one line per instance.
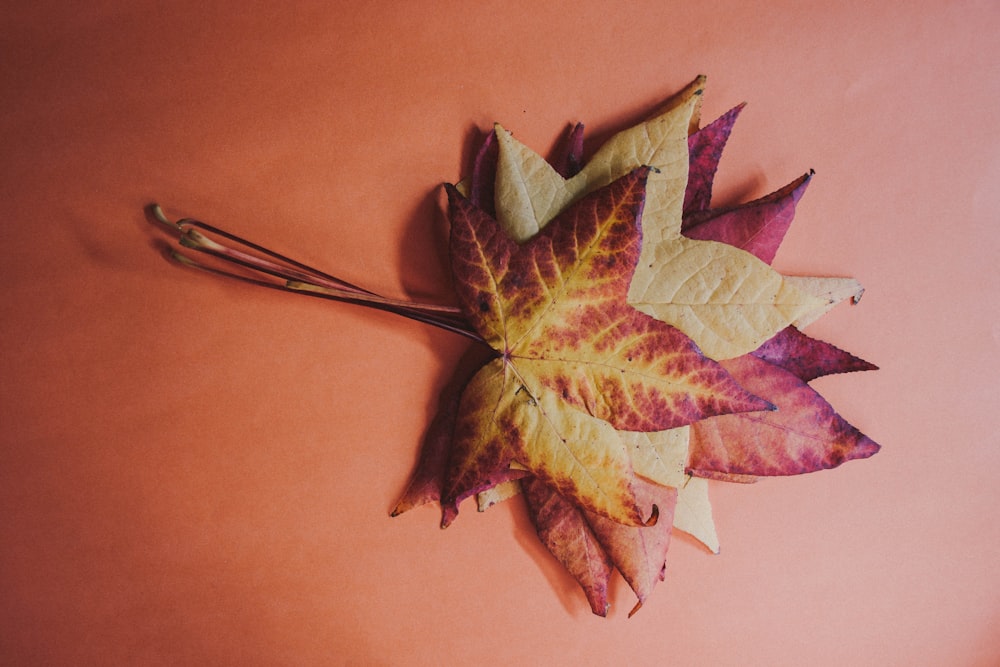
258	265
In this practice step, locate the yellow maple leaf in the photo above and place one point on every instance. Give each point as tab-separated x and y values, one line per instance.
575	362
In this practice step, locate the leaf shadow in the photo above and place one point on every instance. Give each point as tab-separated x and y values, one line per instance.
422	254
110	244
750	187
570	594
423	258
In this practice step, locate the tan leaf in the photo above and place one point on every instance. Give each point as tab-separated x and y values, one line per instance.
830	292
725	299
530	192
497	494
693	513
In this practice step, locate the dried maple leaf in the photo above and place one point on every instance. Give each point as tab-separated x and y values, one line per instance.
588	544
593	285
808	358
639	553
757	227
803	435
575	360
425	482
565	532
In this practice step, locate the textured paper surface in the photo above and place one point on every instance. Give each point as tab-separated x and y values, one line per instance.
194	471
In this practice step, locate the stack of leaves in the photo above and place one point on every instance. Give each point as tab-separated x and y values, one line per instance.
637	344
632	342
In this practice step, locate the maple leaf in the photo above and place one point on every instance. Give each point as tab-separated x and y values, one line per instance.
803	435
576	361
425	482
639	552
564	531
756	227
588	544
808	358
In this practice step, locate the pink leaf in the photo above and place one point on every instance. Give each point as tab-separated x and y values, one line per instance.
484	174
803	435
639	553
704	150
567	535
425	483
569	162
808	358
757	227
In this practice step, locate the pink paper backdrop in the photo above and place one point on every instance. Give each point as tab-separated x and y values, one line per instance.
194	471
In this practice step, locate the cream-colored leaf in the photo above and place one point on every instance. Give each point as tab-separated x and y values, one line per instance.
497	494
659	456
693	513
724	298
529	192
660	142
831	291
581	453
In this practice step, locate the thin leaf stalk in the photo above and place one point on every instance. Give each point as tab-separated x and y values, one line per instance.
261	265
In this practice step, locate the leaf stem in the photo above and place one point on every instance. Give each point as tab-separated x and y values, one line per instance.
260	264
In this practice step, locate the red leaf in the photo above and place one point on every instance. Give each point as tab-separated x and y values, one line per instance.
808	358
567	535
640	552
570	161
556	306
587	544
757	227
803	435
425	483
704	150
574	356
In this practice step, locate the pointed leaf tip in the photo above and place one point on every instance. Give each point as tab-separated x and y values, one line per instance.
757	227
804	435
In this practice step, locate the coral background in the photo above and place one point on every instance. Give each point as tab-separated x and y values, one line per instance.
198	472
